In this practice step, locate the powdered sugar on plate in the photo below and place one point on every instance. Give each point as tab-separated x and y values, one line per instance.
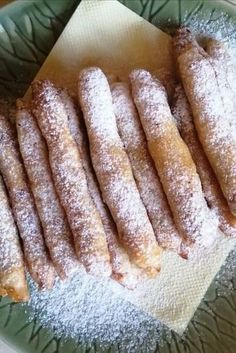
103	311
219	25
88	311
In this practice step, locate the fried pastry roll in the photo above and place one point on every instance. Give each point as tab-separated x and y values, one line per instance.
35	156
23	206
70	180
114	172
12	271
176	169
122	271
211	115
147	180
213	194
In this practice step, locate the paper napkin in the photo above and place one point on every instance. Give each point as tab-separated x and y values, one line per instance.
107	34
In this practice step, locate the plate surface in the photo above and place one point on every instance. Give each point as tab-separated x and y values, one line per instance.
28	30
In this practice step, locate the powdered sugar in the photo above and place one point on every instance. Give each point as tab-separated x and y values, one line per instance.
224	66
211	188
91	311
104	126
219	26
210	115
173	161
97	329
24	208
101	312
70	180
144	171
122	270
114	171
10	250
56	230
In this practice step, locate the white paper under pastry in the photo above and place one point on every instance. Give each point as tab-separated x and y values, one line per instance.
106	33
176	294
109	35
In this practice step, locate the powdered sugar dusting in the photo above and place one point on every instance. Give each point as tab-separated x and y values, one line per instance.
211	116
56	230
122	270
211	188
24	208
146	177
70	180
173	161
219	26
10	251
224	66
114	171
12	267
90	311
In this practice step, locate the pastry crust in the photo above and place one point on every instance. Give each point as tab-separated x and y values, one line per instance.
12	271
21	199
122	270
55	226
213	194
114	172
147	180
211	115
70	180
173	161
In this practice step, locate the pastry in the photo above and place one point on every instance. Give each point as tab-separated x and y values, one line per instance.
147	180
211	115
55	226
114	172
173	161
70	180
122	271
21	199
12	270
213	194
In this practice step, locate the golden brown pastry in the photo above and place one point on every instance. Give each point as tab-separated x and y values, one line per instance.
21	199
211	115
147	180
55	226
122	271
173	161
213	194
70	180
12	270
114	172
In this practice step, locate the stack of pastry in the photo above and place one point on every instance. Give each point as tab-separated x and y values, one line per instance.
110	179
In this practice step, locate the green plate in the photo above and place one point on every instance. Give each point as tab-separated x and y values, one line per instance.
28	30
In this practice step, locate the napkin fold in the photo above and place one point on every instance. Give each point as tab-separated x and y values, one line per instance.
107	34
